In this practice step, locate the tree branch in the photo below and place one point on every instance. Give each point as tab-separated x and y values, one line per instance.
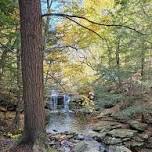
85	27
6	47
93	22
62	47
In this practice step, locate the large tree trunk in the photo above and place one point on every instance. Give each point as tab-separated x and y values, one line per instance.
32	69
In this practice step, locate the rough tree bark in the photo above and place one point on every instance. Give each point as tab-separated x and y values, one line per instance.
32	69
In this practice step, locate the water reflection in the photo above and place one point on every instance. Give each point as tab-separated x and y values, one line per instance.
71	122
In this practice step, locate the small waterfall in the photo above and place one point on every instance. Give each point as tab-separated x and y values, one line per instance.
57	99
54	100
66	100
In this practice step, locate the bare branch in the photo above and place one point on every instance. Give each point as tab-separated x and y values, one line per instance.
85	27
56	81
62	47
93	22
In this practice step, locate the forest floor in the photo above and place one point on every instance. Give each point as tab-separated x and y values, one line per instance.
5	141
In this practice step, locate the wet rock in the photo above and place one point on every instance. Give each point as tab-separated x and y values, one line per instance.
143	150
116	126
58	137
69	136
137	144
122	133
51	143
80	147
112	141
97	136
137	125
2	109
138	139
125	139
66	143
147	117
149	143
79	137
102	128
103	149
144	136
119	149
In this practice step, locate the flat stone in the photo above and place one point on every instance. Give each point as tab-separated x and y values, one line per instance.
144	136
102	128
125	139
137	125
79	137
112	141
106	127
80	147
97	136
137	144
122	133
119	149
2	109
69	136
138	139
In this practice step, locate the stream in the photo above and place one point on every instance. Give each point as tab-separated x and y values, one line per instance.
69	131
68	121
78	124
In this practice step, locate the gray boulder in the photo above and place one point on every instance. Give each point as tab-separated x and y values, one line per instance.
122	133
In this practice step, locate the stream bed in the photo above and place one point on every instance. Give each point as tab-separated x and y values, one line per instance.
69	132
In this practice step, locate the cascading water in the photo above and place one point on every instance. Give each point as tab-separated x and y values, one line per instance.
66	100
54	101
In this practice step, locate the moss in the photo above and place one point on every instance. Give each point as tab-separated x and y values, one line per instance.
130	112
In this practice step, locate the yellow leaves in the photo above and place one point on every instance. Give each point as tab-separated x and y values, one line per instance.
53	62
15	137
95	10
57	56
15	15
87	103
73	70
98	3
98	6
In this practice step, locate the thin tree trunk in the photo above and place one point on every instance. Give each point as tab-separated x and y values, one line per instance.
46	36
109	54
19	91
118	62
142	63
32	69
3	59
2	63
